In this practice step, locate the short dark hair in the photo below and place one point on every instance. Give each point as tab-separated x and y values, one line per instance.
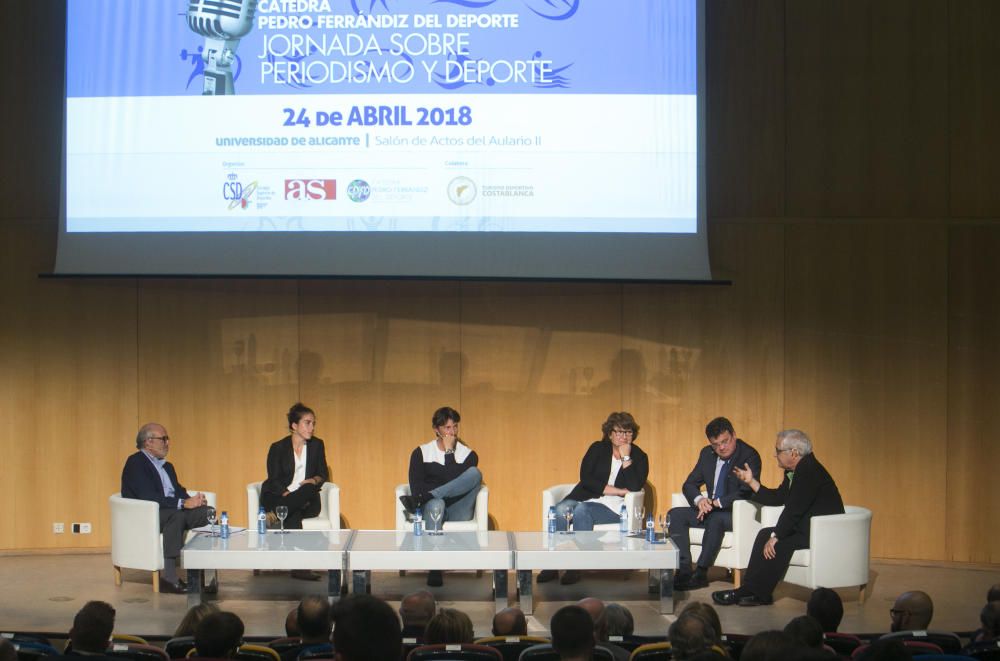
993	594
219	635
572	631
417	608
989	617
443	415
367	628
297	412
449	626
618	620
768	645
706	612
621	419
92	627
7	650
826	606
718	425
194	615
806	630
690	634
314	617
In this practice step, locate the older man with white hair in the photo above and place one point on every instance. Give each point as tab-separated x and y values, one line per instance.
806	491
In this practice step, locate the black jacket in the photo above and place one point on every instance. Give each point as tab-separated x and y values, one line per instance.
281	464
812	492
596	467
704	473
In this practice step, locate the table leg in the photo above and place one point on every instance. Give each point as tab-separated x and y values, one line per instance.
333	582
500	589
666	590
362	581
524	590
195	578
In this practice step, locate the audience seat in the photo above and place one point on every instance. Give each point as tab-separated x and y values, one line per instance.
128	638
480	519
136	652
463	652
327	519
915	648
136	542
737	544
29	651
551	497
651	652
985	651
256	653
842	643
510	647
178	648
284	644
838	552
630	643
546	653
948	642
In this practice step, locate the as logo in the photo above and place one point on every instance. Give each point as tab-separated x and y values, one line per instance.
310	189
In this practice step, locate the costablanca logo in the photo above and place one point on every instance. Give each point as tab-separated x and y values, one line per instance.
310	189
236	193
359	190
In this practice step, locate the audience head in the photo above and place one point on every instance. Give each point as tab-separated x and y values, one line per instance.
912	611
620	420
314	619
417	609
769	646
510	622
826	606
989	617
450	625
367	630
195	614
806	631
7	651
618	621
219	635
886	650
993	594
706	612
572	632
292	623
92	627
595	607
690	634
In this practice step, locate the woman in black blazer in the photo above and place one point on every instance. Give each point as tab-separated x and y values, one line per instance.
296	469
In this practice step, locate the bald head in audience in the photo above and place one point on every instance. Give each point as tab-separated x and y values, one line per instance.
315	619
510	622
416	610
595	607
912	611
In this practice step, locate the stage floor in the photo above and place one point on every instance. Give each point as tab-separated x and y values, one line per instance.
43	592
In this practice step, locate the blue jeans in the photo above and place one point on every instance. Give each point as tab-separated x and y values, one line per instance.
585	515
457	498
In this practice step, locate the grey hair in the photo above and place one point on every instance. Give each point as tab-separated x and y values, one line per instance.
145	432
795	439
618	620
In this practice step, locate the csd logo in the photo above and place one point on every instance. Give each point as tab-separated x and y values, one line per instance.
232	190
310	189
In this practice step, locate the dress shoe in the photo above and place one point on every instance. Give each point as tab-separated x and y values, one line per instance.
693	581
211	588
435	578
173	588
569	577
305	575
725	597
547	575
410	504
754	600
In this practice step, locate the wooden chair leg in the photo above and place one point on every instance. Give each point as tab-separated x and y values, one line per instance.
861	593
118	575
737	578
156	581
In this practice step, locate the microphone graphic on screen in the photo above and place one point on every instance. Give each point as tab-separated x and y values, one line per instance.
223	23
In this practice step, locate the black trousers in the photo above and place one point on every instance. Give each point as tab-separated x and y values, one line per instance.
716	523
303	503
763	574
173	525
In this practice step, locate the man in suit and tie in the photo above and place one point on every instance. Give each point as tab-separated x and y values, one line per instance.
149	476
712	510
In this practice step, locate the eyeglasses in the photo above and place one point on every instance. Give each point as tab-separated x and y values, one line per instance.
623	432
896	611
165	439
778	452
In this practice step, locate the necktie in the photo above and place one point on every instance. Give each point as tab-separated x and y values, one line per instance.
720	488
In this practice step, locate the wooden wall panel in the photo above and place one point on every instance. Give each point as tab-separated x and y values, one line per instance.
703	352
217	367
866	370
746	108
544	366
973	395
867	108
67	385
377	359
974	105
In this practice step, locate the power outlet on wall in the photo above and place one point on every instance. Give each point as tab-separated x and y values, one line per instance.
58	528
85	528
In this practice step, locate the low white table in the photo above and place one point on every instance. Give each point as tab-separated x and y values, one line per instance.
297	549
593	550
393	550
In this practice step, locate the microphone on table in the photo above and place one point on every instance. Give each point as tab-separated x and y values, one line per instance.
223	23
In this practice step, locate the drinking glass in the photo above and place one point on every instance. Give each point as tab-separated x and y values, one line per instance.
435	514
664	519
210	515
569	522
639	515
282	512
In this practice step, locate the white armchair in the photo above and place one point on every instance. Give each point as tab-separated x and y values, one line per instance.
136	542
479	521
552	496
838	553
329	513
736	545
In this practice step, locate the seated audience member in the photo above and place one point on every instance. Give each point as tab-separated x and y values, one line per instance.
884	650
618	621
993	594
911	612
449	626
292	623
826	606
596	608
92	627
806	631
989	617
218	636
690	635
366	629
706	612
769	646
510	622
572	631
189	623
416	610
7	651
315	622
